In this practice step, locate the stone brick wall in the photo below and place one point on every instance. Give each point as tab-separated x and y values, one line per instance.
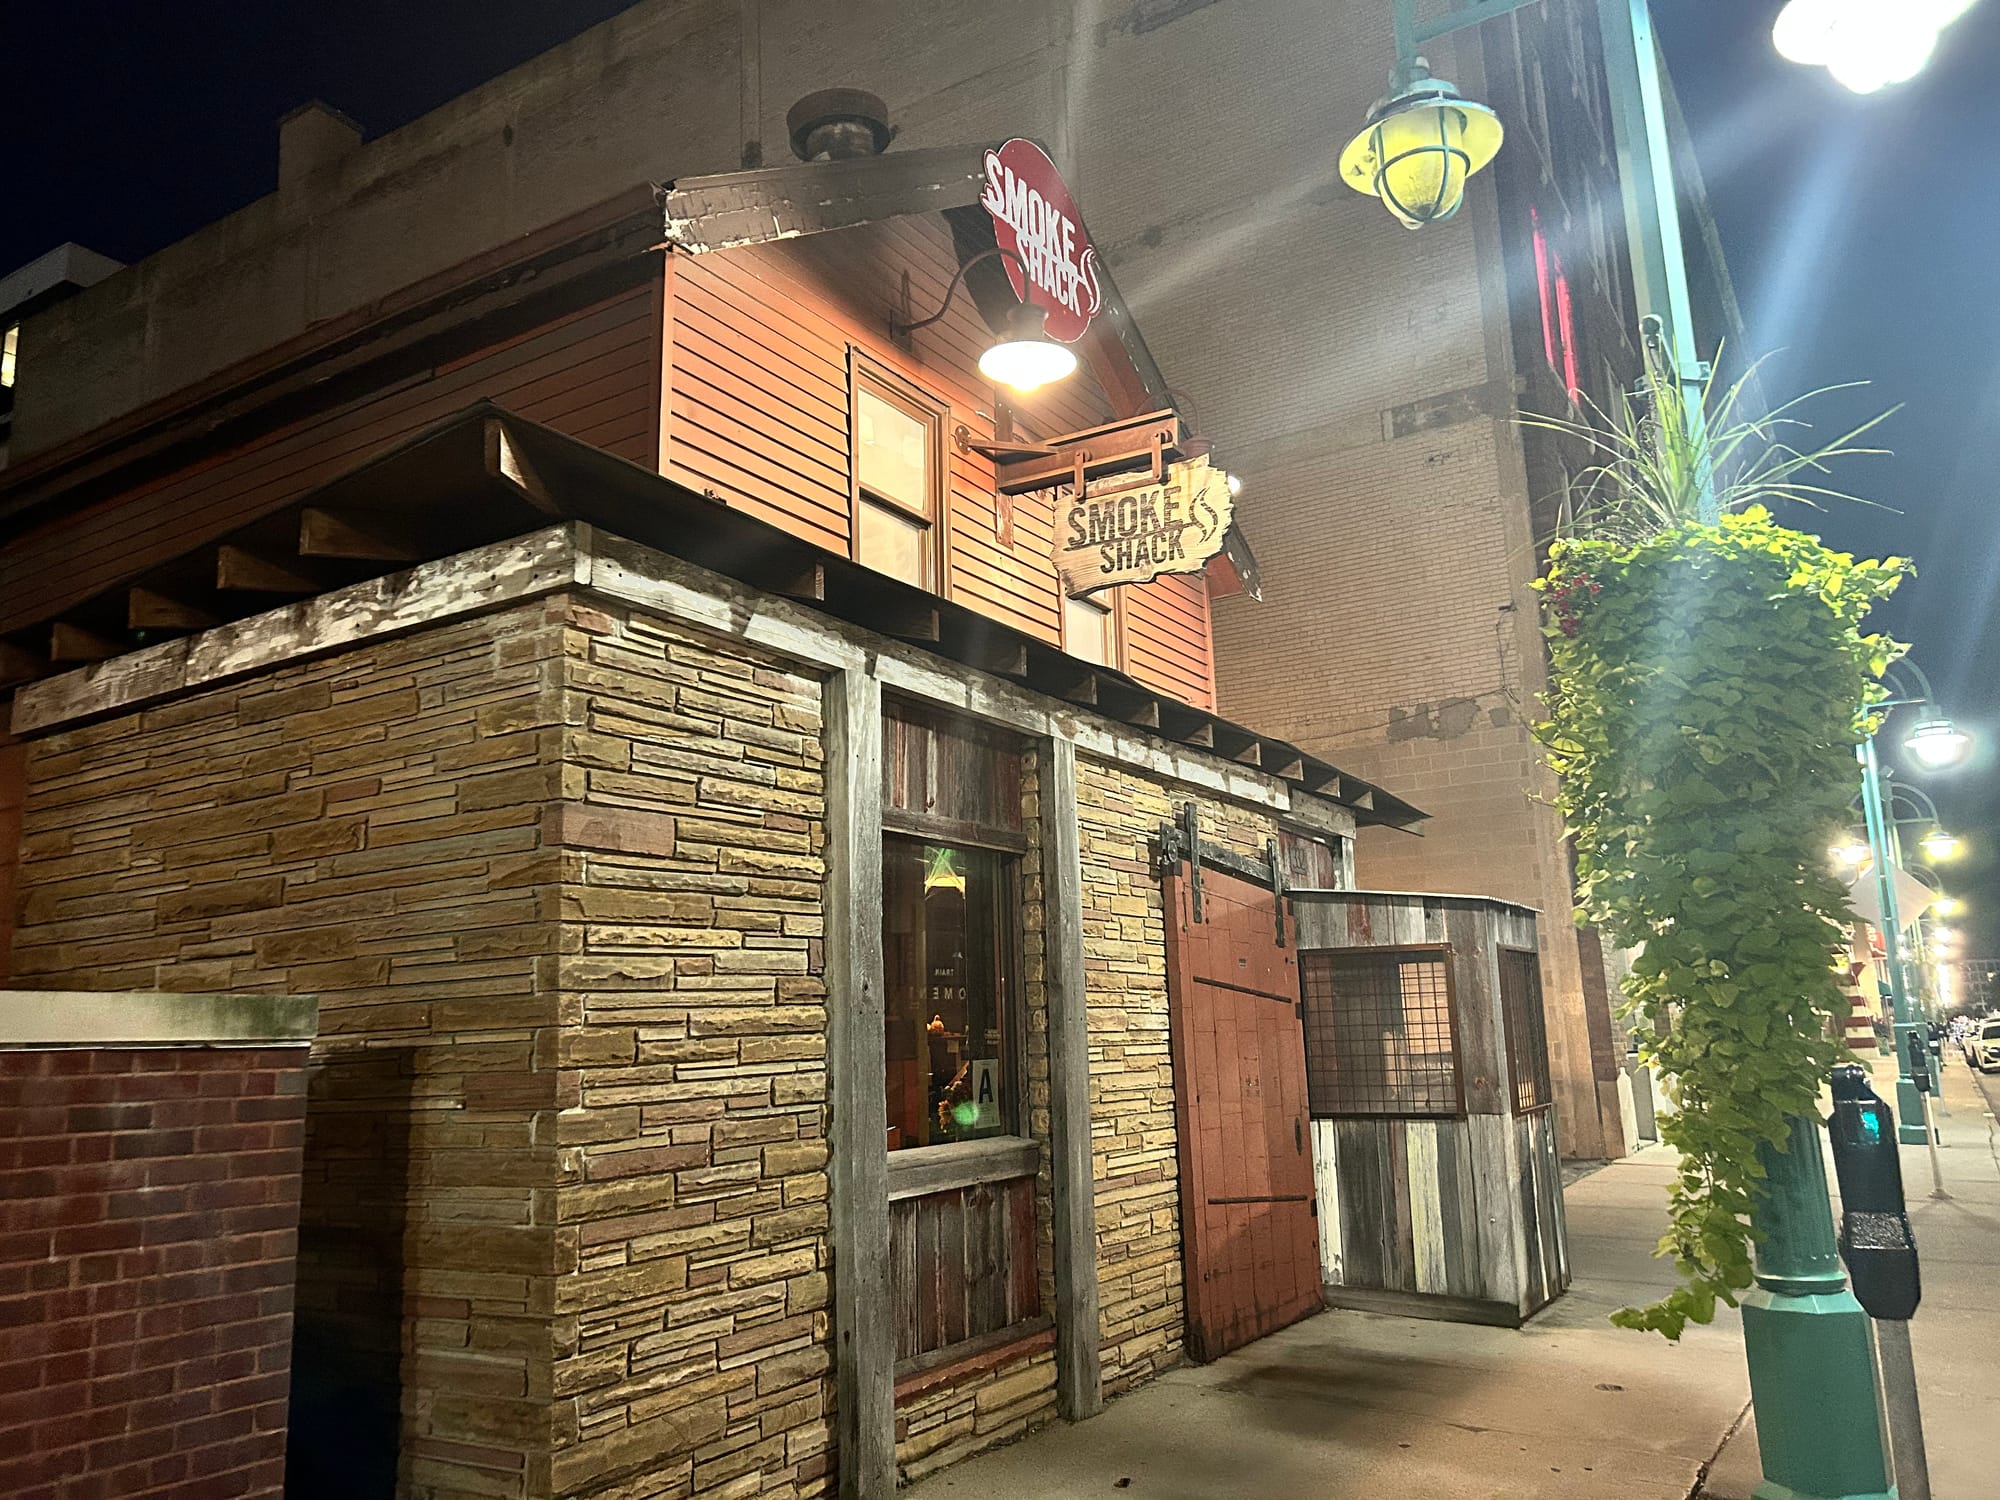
149	1203
692	1329
1133	1132
367	827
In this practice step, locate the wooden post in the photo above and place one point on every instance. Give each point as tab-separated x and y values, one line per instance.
864	1344
1079	1372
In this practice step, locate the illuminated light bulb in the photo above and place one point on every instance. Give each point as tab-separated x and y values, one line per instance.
1938	742
1941	845
1025	358
1850	853
1947	906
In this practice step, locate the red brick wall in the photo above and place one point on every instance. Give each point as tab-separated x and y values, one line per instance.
149	1206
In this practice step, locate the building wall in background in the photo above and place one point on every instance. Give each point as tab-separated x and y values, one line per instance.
1362	379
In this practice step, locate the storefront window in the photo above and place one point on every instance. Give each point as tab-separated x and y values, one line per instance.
948	919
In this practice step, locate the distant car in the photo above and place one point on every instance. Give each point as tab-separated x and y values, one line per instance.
1985	1053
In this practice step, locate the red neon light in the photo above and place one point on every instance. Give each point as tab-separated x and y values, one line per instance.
1568	330
1542	287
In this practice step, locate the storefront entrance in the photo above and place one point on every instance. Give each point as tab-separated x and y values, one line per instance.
1249	1249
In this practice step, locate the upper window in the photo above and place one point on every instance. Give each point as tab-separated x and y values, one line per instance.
898	477
10	343
1090	630
1312	860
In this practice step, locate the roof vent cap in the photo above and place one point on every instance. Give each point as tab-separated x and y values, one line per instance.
838	125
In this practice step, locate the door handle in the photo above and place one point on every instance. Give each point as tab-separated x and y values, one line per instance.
1298	1137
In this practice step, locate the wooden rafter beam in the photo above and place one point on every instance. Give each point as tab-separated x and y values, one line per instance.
350	534
147	609
18	663
239	568
68	642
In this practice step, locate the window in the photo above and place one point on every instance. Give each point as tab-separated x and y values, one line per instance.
951	915
898	477
1380	1031
1090	630
947	920
10	343
1527	1034
1311	860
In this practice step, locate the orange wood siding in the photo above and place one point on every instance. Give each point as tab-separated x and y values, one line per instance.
756	395
592	373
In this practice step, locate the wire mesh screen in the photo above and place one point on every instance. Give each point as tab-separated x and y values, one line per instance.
1527	1030
1379	1032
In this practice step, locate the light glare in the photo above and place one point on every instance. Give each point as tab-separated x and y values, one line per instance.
1865	44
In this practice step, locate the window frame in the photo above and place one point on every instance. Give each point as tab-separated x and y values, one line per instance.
865	371
1444	956
1541	1079
1114	614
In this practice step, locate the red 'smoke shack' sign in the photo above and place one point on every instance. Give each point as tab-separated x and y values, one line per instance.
1035	217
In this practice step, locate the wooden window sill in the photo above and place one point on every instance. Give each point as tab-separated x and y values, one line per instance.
922	1170
946	1367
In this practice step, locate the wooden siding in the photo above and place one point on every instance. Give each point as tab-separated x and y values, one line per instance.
1459	1217
962	1265
756	393
592	373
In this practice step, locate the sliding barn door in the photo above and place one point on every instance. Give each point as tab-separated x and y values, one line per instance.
1250	1247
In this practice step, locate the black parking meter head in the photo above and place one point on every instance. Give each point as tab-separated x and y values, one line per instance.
1876	1241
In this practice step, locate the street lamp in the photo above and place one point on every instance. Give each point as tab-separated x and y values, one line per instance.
1940	845
1865	44
1851	852
1419	146
1937	743
1878	807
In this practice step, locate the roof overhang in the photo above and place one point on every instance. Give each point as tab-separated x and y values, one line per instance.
486	475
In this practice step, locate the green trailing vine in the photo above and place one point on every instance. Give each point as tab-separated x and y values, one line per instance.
1703	716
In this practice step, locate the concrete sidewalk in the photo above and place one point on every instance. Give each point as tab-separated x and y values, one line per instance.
1348	1405
1956	1331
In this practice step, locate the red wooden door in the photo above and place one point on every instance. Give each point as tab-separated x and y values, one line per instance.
1249	1245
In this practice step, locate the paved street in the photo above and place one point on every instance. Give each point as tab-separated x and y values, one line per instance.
1353	1404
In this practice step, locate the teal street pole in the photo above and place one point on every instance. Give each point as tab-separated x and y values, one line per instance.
1653	219
1885	849
1809	1343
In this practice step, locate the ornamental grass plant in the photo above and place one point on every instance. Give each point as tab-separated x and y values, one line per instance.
1706	690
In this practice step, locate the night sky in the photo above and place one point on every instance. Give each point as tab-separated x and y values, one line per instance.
1860	233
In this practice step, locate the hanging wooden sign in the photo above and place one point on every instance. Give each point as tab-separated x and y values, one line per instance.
1117	531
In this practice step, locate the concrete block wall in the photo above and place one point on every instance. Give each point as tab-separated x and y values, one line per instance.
367	827
691	1310
149	1205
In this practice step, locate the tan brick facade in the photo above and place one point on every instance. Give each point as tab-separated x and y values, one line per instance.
691	1314
1133	1129
367	828
557	872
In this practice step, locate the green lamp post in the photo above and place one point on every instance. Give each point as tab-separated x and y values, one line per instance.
1936	743
1812	1365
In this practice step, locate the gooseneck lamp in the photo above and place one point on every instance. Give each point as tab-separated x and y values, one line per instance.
1023	357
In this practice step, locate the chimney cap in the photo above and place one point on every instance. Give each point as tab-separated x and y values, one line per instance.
839	118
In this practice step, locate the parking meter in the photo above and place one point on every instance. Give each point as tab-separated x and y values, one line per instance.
1875	1238
1918	1051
